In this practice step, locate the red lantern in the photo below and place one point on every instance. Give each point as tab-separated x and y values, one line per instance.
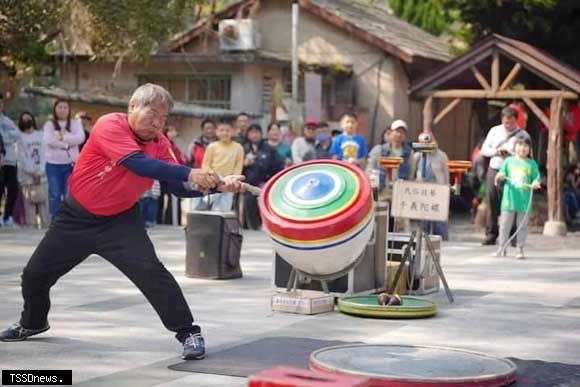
570	122
522	118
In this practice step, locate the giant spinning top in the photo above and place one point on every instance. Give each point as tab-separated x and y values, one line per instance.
319	215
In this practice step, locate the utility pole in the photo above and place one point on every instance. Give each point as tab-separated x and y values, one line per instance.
295	9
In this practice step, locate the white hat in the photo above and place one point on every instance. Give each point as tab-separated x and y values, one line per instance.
398	124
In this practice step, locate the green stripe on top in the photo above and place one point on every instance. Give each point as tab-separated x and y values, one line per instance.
408	302
289	204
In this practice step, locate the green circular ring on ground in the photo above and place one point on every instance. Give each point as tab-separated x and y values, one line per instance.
287	210
366	306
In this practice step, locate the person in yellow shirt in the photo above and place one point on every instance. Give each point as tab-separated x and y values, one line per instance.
223	157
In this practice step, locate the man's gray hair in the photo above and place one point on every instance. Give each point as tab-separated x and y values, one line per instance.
150	94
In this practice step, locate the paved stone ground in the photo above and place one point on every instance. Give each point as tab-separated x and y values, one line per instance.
106	332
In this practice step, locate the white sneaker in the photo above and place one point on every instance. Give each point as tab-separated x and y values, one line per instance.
9	222
520	253
501	252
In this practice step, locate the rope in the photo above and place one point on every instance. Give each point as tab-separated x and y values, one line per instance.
529	206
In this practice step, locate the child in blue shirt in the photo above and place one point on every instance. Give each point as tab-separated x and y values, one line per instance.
349	146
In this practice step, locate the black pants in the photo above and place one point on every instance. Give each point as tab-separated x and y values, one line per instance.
9	182
121	240
494	194
164	209
251	211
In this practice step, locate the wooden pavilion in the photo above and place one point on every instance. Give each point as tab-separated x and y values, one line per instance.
499	68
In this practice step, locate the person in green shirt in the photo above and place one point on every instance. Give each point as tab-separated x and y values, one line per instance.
521	175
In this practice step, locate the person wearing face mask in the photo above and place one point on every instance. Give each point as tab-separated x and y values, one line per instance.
322	145
31	171
305	144
100	215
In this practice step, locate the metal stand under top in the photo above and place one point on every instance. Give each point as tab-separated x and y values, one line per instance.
293	280
293	284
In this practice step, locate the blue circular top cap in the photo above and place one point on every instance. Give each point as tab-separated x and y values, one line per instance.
312	186
312	189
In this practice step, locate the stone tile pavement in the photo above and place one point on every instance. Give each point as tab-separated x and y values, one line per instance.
106	332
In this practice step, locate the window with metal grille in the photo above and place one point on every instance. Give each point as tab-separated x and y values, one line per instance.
176	85
211	90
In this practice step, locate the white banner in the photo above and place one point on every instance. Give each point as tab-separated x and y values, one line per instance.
421	201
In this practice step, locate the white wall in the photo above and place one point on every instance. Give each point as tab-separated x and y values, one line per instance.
322	43
247	88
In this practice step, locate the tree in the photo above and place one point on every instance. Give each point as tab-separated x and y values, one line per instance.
111	29
429	15
25	27
552	25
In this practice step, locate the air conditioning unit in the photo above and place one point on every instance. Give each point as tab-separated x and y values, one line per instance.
238	35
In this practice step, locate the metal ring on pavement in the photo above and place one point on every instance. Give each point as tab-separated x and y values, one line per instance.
414	366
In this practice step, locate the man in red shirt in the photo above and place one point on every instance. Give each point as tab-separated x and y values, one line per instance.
124	155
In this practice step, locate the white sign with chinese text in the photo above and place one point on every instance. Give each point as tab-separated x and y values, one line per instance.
421	201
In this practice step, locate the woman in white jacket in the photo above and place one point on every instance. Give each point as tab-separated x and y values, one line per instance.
62	136
31	171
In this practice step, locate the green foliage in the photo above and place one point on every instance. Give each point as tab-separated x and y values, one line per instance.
133	27
107	28
429	15
24	26
552	25
504	17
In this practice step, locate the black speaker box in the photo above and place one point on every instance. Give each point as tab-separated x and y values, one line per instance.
213	245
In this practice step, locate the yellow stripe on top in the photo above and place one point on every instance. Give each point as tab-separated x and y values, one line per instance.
313	242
